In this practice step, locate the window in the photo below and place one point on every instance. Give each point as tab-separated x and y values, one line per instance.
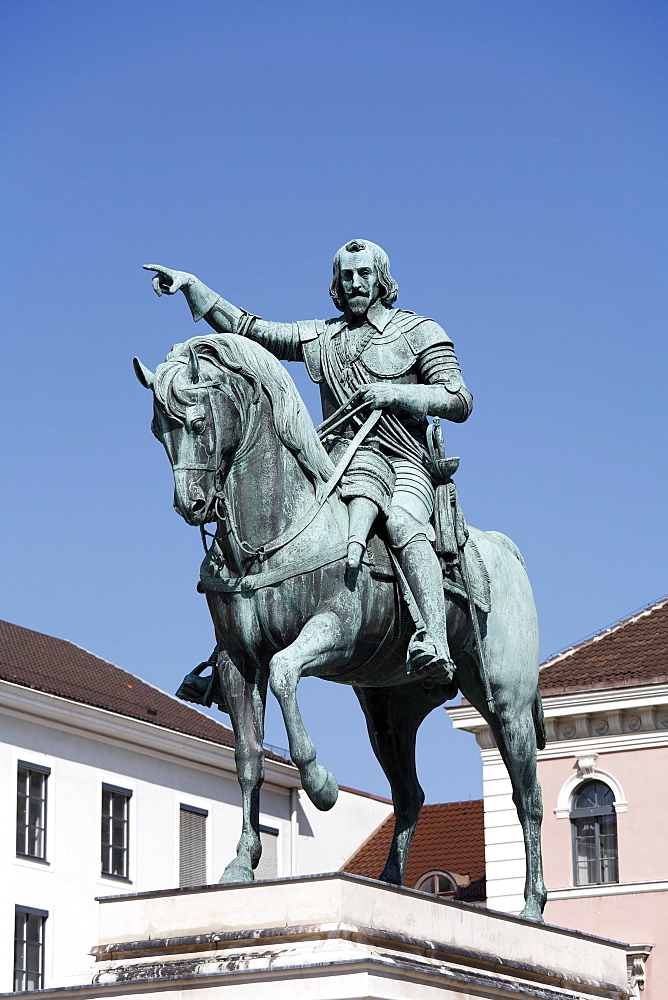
594	824
115	831
192	846
29	948
438	883
268	866
31	810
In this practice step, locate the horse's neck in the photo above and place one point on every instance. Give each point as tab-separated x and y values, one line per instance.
265	491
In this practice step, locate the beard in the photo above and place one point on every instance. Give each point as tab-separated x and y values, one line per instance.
359	304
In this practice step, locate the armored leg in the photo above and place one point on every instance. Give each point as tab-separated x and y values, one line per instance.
423	573
367	487
362	512
410	535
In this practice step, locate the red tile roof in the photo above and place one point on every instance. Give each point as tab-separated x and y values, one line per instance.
449	837
58	667
631	653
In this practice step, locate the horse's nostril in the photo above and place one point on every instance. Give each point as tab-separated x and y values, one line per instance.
198	506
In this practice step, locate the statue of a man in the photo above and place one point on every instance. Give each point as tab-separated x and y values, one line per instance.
388	359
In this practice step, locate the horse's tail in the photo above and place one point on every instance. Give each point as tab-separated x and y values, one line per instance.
539	720
510	545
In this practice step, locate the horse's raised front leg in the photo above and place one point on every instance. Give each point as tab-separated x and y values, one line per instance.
245	690
393	717
515	733
318	642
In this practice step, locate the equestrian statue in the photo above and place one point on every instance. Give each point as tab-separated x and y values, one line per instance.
342	552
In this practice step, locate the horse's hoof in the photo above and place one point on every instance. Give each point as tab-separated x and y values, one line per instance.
237	871
391	875
532	911
326	793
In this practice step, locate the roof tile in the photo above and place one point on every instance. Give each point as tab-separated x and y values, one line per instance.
449	837
631	653
61	668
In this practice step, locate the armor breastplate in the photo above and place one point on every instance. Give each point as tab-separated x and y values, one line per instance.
389	355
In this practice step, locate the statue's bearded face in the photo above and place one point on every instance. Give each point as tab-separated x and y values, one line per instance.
359	280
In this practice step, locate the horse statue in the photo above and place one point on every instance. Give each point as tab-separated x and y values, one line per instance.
246	456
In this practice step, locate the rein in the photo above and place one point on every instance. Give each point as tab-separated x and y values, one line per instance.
323	493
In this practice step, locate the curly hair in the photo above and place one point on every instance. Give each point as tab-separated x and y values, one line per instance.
388	286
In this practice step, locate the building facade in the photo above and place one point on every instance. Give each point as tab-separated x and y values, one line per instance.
113	786
603	774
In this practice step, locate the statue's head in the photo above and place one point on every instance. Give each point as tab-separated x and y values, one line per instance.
361	276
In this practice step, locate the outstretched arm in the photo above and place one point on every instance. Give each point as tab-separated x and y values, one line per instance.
282	339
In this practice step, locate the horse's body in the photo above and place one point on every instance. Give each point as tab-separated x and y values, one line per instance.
245	454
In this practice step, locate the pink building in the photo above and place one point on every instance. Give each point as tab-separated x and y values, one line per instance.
603	774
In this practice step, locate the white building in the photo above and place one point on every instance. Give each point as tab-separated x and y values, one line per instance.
114	786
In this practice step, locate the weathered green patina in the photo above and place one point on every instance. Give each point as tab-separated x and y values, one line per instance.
323	563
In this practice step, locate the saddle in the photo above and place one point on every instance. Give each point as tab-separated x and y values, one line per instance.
377	559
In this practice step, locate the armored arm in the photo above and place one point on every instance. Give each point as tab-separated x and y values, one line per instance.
444	392
441	391
282	339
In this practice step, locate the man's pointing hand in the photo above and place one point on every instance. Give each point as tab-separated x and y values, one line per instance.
167	280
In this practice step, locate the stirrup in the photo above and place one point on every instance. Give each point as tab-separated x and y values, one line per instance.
425	658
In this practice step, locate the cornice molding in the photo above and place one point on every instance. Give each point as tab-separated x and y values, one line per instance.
605	699
103	725
622	720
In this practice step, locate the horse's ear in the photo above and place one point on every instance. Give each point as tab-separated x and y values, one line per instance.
145	376
193	365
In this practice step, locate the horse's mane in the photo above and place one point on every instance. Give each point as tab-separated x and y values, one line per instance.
230	353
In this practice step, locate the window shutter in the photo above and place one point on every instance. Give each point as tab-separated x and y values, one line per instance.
268	866
192	847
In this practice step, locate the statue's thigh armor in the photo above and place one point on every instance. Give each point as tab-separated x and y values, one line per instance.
369	475
412	504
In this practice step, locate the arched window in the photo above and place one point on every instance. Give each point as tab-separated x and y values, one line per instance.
438	883
594	824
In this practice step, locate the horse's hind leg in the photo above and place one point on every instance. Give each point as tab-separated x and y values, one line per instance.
515	732
245	692
318	642
393	717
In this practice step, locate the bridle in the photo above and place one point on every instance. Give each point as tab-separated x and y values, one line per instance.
221	504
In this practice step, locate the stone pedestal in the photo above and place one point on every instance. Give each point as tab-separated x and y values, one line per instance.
329	937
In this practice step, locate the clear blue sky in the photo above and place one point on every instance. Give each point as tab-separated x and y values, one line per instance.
511	158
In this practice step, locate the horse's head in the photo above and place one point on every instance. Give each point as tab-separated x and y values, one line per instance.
208	399
197	420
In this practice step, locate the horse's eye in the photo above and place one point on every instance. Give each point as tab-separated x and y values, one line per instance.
197	425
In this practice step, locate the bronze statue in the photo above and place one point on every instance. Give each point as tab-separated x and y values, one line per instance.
374	357
322	560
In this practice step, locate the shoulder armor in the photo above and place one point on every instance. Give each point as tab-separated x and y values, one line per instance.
425	333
